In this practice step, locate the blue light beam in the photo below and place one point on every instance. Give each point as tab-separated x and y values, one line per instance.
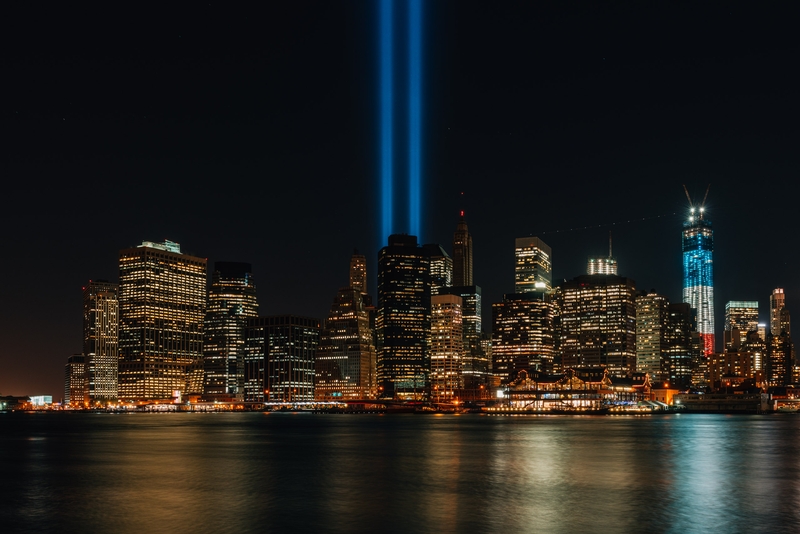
415	116
386	115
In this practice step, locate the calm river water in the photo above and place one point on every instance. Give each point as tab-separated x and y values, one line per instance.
255	472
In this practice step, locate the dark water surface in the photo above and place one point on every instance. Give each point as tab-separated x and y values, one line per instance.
255	472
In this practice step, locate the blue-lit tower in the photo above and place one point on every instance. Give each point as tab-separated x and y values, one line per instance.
698	273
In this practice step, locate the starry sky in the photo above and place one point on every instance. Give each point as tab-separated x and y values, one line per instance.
251	134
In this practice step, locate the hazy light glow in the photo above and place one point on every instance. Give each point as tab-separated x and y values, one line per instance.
386	115
414	116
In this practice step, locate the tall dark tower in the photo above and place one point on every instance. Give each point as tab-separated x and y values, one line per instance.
231	301
462	254
404	319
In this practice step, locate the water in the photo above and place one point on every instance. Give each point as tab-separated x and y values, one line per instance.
254	472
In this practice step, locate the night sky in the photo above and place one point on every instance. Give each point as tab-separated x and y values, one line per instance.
252	136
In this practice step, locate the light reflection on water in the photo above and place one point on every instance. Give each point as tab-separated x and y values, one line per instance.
363	473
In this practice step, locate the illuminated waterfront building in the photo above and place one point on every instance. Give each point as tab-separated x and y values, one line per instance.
778	314
598	323
74	376
741	317
447	347
231	302
682	360
732	368
403	320
779	359
475	364
462	254
279	358
162	304
345	360
441	267
698	274
100	341
533	269
523	335
651	334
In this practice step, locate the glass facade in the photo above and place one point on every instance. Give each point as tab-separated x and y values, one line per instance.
279	358
741	317
698	275
231	301
403	320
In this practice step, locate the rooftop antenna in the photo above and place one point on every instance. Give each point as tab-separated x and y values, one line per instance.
609	244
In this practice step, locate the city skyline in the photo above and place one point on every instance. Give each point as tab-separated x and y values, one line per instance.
592	135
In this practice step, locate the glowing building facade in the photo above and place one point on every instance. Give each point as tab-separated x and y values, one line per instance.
403	320
598	323
231	301
346	359
74	376
523	335
651	334
698	274
162	304
741	317
100	341
533	270
441	267
778	314
279	358
447	347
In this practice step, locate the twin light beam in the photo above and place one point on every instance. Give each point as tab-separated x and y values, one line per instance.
388	105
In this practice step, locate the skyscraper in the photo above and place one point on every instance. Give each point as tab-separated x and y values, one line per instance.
778	315
404	319
345	361
231	301
475	363
358	272
100	341
447	347
74	380
683	359
698	274
741	317
441	267
651	334
523	334
462	254
533	266
598	323
162	304
279	358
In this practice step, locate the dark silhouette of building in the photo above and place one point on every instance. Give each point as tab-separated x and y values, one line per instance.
462	254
